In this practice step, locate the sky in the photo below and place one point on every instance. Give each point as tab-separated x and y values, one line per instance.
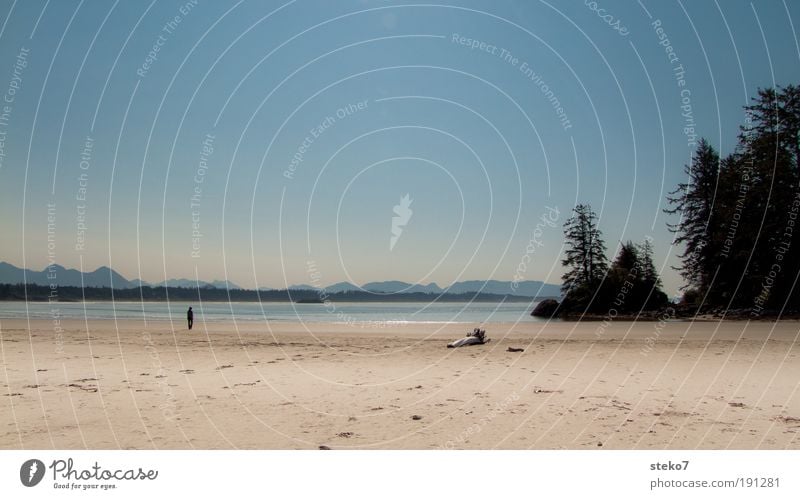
272	143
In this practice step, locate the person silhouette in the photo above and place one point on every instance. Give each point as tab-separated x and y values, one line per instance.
190	317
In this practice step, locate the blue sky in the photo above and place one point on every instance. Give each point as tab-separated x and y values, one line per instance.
402	101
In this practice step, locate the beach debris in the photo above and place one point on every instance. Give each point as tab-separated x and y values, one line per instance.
674	414
345	434
247	384
736	404
540	390
476	337
226	366
512	349
84	388
324	447
787	419
416	417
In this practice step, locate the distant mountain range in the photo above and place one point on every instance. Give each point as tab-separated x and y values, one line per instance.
523	288
107	277
103	277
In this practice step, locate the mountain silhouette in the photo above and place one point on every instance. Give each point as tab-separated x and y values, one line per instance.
107	277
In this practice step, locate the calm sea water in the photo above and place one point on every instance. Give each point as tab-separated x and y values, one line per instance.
241	311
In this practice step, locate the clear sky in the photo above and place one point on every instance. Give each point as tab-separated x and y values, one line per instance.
286	133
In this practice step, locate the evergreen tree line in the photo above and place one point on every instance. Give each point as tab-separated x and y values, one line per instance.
736	224
739	213
629	285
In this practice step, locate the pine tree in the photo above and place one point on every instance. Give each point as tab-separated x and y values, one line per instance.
652	293
770	144
585	256
623	284
649	273
738	215
627	259
775	113
693	201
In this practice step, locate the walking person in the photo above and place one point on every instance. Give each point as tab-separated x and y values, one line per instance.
190	317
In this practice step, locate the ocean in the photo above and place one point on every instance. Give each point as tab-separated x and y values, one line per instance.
372	314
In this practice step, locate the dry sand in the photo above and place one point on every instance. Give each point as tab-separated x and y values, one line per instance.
709	385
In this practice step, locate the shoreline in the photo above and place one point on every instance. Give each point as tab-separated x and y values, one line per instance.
652	316
553	330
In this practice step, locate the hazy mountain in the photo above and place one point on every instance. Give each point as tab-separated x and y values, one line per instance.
105	277
10	274
333	288
302	287
56	274
177	283
225	284
401	287
523	288
191	283
341	286
102	277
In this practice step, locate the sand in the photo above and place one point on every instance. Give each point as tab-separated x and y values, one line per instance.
645	385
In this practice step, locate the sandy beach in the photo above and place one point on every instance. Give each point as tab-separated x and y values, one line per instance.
645	385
